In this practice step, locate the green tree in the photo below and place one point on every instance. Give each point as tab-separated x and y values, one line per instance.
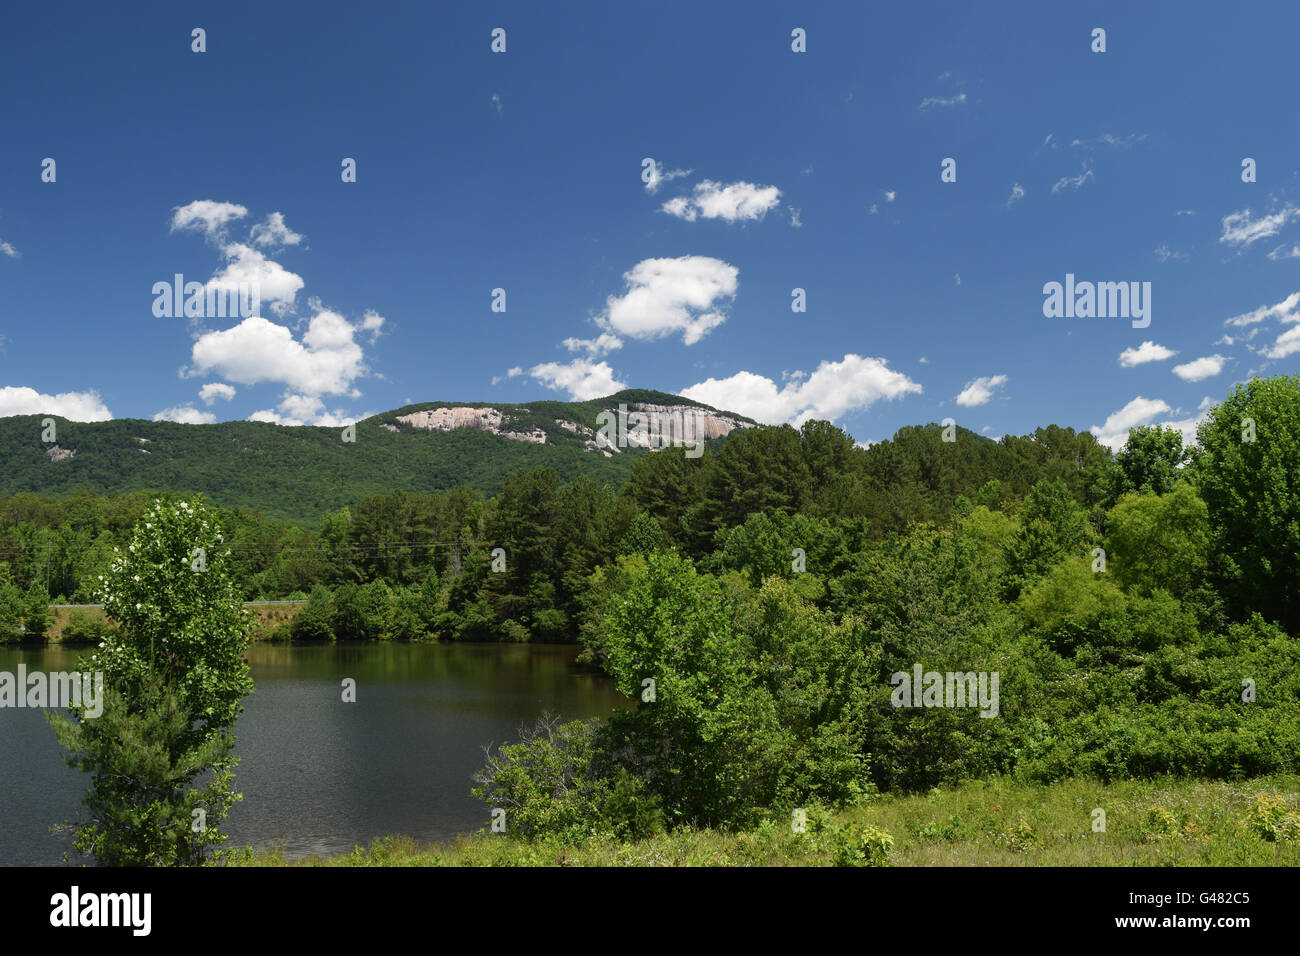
1150	461
1248	476
174	678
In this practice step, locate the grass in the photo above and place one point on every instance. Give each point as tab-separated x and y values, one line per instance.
998	822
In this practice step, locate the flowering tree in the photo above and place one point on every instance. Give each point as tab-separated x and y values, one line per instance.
174	679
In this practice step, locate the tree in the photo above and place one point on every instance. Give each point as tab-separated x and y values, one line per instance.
36	612
1248	476
1159	541
174	678
1150	461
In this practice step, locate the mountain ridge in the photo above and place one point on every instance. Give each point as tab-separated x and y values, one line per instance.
300	471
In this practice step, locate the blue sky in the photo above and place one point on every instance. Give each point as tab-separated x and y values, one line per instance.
523	171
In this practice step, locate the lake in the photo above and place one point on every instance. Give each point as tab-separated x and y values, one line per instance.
319	775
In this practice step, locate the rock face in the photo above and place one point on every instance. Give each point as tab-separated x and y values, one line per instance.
667	425
482	419
643	425
60	454
445	419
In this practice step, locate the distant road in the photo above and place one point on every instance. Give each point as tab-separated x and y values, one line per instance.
246	604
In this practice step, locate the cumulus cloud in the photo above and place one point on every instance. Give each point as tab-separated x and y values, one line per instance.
298	409
665	296
273	232
1284	311
1288	343
594	347
247	267
84	406
1242	229
185	415
216	390
930	102
9	250
833	389
1201	368
207	216
1140	411
1146	352
1017	194
581	378
1074	182
733	202
372	322
979	391
660	174
326	362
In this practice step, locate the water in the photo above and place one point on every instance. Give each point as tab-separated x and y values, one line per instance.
319	775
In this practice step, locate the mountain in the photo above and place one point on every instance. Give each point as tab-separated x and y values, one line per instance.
299	472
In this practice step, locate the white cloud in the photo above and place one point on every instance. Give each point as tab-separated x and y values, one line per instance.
660	174
666	296
1288	343
1109	139
1282	252
1164	254
1239	229
296	409
1073	182
596	347
957	276
246	266
274	232
581	378
795	220
1185	212
930	102
1284	311
496	101
1201	368
84	406
9	250
372	322
1017	194
207	216
216	390
1146	352
325	362
185	415
889	195
735	201
980	390
1140	411
874	209
833	389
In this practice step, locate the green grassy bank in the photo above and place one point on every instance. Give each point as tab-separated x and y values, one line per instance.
991	823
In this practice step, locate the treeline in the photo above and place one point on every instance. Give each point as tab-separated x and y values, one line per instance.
1139	612
369	568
